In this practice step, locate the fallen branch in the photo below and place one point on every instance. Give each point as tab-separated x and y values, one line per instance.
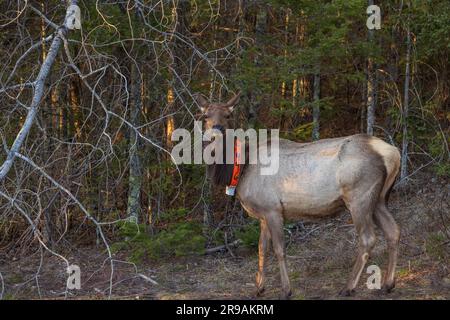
223	247
148	279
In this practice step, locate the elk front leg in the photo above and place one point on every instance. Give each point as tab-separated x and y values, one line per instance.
264	238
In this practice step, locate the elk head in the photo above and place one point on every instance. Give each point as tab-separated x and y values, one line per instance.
217	115
216	118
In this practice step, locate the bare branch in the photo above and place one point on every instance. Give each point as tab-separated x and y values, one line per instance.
37	97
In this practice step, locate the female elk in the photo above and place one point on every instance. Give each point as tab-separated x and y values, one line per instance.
316	180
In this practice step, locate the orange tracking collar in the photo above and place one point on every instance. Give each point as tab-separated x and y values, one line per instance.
231	188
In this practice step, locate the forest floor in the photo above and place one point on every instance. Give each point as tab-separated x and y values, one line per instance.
320	257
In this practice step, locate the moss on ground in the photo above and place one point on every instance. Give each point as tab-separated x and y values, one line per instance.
179	239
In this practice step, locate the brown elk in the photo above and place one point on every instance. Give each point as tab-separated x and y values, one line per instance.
317	180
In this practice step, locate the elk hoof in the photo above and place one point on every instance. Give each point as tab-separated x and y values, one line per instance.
260	291
286	296
347	292
387	288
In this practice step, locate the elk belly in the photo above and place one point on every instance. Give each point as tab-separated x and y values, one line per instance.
309	209
303	199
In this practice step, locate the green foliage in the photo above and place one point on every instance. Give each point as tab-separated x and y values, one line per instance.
183	238
218	237
172	215
435	246
165	183
249	234
9	296
179	239
431	27
302	132
436	147
16	278
442	169
108	23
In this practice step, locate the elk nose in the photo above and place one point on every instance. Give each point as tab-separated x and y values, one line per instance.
218	127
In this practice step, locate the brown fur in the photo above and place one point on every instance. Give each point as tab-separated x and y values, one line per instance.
220	173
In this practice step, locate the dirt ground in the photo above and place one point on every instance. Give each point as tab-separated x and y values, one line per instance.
320	256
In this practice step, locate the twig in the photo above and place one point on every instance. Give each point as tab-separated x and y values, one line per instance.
148	279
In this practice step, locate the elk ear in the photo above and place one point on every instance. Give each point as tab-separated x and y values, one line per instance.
201	101
233	101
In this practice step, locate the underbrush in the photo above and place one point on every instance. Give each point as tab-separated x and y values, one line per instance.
249	234
178	239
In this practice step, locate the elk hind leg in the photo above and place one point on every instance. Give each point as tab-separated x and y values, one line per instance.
385	221
362	216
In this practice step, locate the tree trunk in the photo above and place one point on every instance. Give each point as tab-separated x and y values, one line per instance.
286	43
370	86
135	177
362	119
241	26
74	101
260	30
404	162
316	106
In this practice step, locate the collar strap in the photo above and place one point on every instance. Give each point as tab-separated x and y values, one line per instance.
231	188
